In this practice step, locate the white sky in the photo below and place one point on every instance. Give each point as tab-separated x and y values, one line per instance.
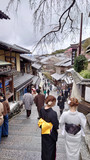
19	29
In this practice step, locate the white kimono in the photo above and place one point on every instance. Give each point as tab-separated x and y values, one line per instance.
72	142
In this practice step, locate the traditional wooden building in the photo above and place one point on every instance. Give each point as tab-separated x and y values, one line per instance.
63	65
11	53
6	80
81	90
35	68
9	66
21	83
29	65
26	61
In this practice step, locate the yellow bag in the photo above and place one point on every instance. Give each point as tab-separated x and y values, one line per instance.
46	126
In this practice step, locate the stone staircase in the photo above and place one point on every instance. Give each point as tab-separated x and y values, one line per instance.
85	149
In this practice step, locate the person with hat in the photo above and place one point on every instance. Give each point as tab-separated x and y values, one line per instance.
72	124
49	125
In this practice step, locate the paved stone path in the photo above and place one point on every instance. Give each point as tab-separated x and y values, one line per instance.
24	140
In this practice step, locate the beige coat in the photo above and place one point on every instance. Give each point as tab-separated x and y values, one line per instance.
28	101
1	113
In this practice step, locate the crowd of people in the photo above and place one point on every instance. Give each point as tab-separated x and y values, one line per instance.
72	122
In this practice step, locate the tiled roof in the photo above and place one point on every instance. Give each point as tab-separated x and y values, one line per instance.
35	65
35	79
66	64
75	75
22	80
57	76
63	62
15	48
28	57
85	82
67	79
77	78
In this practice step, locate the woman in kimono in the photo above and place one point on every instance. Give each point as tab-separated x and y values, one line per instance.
72	124
49	124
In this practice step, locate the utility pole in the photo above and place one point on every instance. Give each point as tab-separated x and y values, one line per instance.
80	33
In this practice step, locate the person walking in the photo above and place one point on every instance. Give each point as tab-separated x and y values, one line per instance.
49	125
44	92
6	110
1	119
61	101
28	101
39	101
48	91
66	94
45	84
50	87
72	124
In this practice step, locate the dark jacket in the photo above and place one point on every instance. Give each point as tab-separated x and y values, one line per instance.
39	101
61	100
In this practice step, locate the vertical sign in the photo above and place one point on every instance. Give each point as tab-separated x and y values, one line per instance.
74	53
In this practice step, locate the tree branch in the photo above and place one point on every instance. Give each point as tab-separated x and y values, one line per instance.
58	27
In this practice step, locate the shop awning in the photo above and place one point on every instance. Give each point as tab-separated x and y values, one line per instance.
22	81
67	79
57	76
36	66
4	63
36	80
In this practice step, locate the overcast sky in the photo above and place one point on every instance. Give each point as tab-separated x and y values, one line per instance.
19	29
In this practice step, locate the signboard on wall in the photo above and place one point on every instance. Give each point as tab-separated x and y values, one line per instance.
74	52
87	94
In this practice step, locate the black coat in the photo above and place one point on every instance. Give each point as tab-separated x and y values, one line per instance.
61	100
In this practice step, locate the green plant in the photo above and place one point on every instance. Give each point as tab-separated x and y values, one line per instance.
47	74
86	44
85	74
80	63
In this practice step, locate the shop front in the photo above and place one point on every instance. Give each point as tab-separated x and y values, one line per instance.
21	83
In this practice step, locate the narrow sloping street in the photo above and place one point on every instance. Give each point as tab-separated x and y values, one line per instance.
24	140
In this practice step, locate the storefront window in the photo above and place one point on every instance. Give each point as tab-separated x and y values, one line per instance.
11	60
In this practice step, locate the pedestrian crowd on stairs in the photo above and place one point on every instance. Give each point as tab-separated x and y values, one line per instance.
71	122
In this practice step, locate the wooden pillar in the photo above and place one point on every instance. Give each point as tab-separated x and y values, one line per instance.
80	33
3	86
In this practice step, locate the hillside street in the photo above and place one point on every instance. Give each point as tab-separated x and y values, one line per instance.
24	140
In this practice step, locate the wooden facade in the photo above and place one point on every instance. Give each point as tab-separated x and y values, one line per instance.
12	57
6	86
9	54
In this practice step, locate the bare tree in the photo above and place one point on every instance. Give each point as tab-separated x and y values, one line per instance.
66	14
